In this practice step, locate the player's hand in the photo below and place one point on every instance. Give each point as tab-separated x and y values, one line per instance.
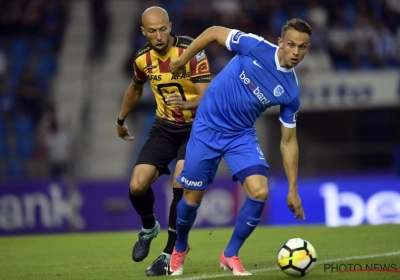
294	203
176	67
175	100
123	132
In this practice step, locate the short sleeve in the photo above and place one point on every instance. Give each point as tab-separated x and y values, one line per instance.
138	75
241	42
288	113
200	68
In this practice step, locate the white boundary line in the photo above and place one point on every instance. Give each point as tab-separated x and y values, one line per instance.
273	268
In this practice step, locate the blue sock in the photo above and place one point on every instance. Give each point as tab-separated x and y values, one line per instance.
248	218
186	215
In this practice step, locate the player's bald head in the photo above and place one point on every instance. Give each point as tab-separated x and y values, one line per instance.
154	13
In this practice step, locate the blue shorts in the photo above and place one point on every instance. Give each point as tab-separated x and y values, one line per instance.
205	149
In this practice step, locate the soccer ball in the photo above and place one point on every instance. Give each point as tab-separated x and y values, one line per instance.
297	257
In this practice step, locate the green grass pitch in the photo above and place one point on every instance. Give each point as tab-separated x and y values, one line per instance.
108	255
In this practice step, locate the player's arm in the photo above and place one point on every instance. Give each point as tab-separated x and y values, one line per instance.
194	103
175	99
131	99
211	34
290	156
290	152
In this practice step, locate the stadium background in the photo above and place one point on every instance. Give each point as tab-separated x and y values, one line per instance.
65	65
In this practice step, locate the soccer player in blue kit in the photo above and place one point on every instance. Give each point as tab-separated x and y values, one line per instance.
261	75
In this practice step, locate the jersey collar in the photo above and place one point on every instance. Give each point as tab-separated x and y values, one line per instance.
175	43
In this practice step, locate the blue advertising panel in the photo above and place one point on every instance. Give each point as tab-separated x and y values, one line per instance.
54	207
51	207
339	201
35	207
105	205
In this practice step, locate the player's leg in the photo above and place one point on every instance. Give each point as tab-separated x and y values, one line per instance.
177	190
203	155
153	160
247	163
157	268
187	212
179	138
250	213
141	197
199	169
187	209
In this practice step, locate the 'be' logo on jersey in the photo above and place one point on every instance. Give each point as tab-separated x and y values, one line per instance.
278	90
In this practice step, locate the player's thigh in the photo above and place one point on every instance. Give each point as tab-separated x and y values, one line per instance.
201	160
177	172
180	159
159	150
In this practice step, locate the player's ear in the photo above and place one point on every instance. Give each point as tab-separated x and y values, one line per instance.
280	42
142	29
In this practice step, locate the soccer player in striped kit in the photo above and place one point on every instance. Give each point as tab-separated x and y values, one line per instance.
177	97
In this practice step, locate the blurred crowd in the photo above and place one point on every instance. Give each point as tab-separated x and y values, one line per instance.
347	34
31	33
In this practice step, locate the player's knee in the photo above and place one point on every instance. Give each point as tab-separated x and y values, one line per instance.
193	198
138	188
259	193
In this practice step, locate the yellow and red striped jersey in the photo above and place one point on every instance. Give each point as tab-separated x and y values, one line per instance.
150	65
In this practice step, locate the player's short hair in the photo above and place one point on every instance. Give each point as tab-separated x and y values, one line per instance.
298	25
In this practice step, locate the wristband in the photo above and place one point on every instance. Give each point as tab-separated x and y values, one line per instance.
120	122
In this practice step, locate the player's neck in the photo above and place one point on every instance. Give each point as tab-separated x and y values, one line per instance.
281	61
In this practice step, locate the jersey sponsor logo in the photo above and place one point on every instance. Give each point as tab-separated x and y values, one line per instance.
191	183
254	88
256	64
236	36
202	67
278	91
250	224
150	67
200	56
155	77
180	76
295	116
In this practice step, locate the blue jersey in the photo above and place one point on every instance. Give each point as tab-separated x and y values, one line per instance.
249	84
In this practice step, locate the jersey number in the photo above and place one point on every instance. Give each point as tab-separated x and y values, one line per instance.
165	89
